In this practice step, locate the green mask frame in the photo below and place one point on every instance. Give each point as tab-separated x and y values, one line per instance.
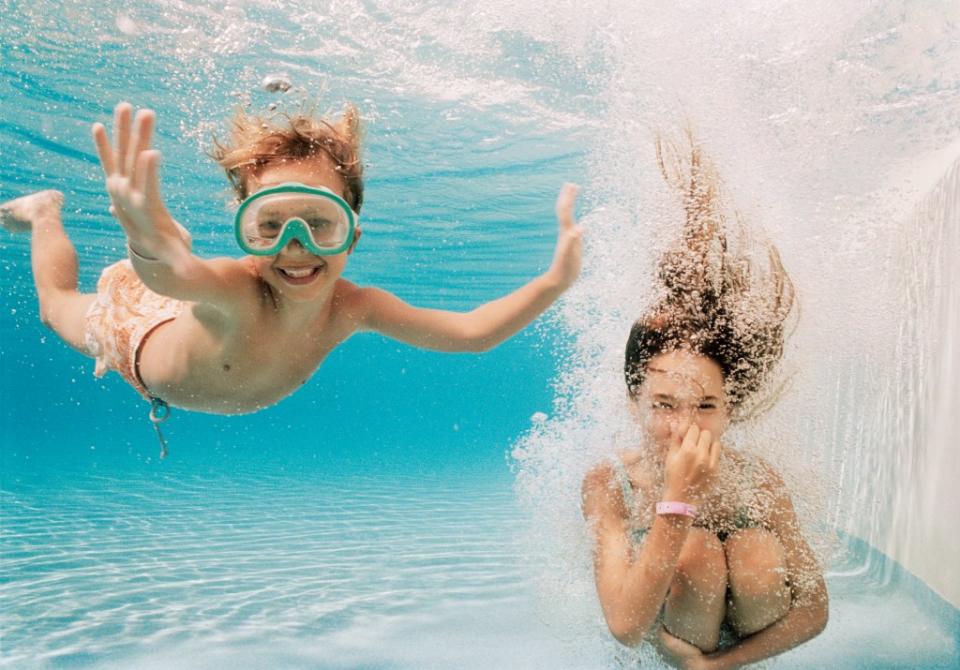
294	227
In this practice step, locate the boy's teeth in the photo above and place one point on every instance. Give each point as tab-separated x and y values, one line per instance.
301	272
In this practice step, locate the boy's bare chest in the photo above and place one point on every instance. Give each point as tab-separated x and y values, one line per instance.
255	363
267	349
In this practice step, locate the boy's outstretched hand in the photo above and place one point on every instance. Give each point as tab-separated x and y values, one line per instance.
567	258
131	169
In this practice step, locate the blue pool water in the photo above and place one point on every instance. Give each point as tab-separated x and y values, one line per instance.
371	519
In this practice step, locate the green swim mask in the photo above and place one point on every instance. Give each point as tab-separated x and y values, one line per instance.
316	217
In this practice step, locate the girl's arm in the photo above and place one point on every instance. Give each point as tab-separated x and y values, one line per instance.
492	323
808	612
159	247
632	590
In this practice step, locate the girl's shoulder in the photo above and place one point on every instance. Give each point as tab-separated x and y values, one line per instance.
754	470
614	484
641	468
599	494
750	488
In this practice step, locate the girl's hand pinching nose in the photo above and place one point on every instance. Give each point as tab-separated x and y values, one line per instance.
690	464
567	258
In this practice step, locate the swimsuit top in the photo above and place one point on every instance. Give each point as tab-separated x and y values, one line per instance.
749	508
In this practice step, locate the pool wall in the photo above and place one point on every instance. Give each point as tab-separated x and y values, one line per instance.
923	535
905	496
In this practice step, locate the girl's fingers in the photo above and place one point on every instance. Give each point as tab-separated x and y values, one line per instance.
142	132
676	441
714	454
692	436
704	442
104	150
121	129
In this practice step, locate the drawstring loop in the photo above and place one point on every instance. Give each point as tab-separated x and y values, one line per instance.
159	412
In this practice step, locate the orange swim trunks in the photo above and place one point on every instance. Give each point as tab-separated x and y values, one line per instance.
124	313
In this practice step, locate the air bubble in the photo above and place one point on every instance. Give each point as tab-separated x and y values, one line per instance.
126	25
276	83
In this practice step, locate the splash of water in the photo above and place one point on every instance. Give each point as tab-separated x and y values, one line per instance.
819	117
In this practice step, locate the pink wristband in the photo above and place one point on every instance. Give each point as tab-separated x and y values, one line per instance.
676	508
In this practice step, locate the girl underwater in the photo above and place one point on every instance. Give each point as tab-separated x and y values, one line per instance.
696	546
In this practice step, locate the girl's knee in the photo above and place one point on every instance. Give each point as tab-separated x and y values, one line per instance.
757	574
702	565
756	563
695	605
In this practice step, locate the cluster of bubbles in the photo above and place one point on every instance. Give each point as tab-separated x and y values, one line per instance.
792	106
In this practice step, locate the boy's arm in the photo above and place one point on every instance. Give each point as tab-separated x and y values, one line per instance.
492	323
159	247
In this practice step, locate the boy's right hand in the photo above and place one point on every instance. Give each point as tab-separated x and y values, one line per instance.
691	461
131	169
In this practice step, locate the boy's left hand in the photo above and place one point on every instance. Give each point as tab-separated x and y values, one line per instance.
567	257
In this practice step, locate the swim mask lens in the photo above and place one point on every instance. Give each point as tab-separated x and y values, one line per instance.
318	218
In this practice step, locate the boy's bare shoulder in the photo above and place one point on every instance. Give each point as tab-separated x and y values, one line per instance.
360	302
352	301
238	284
240	273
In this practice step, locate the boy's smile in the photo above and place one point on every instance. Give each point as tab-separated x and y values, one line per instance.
299	276
299	273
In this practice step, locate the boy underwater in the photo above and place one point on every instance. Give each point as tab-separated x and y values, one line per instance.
228	335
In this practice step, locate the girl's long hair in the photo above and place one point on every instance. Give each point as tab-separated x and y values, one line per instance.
713	300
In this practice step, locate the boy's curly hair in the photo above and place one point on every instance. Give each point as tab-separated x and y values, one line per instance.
713	301
257	141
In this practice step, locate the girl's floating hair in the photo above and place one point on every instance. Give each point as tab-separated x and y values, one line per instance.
713	301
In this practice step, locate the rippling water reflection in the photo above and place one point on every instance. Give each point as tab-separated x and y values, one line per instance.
348	571
105	569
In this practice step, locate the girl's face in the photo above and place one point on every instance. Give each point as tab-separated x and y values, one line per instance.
680	388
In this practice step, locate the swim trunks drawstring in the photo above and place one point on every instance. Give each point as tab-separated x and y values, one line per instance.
159	412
